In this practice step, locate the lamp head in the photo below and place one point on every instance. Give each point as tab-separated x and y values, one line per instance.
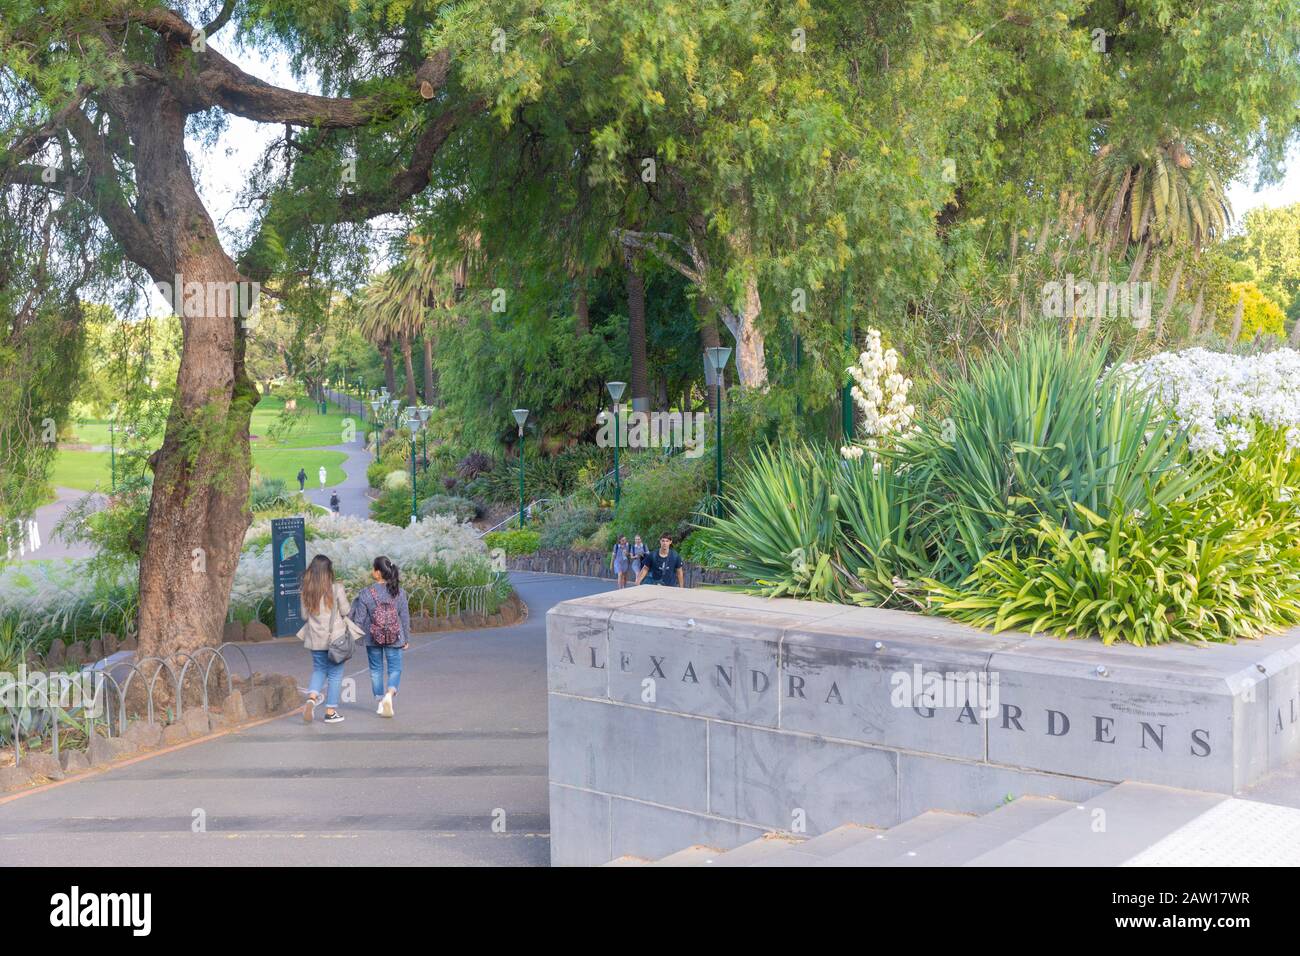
718	356
616	389
521	416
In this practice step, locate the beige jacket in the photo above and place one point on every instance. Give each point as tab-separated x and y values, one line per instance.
315	634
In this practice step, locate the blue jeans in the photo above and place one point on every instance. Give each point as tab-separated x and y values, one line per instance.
322	670
377	657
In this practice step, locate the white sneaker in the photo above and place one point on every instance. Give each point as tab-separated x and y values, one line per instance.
379	707
386	705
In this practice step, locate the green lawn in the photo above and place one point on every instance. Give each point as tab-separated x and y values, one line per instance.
310	428
84	470
87	470
285	462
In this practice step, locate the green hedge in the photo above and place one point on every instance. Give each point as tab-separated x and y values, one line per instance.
515	542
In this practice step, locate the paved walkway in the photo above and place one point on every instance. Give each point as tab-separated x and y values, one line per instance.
352	492
47	517
468	742
353	500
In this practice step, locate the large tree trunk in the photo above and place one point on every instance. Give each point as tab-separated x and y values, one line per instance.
409	367
640	384
430	374
198	511
390	377
751	363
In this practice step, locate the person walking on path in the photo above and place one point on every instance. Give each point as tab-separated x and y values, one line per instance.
384	615
638	554
325	608
302	480
621	560
664	565
334	502
322	477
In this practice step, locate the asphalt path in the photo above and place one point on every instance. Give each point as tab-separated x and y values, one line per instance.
458	777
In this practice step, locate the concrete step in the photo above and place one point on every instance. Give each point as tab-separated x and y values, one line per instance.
981	834
1109	829
895	842
755	851
1281	787
814	851
696	855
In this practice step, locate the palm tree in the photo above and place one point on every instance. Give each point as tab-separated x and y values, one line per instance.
1159	199
407	301
384	324
1159	196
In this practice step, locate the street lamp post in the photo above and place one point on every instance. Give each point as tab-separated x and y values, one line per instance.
414	421
616	392
376	407
426	411
521	416
718	356
112	453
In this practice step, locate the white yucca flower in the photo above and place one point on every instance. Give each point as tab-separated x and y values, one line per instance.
880	394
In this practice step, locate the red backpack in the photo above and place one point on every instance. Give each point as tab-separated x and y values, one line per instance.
385	625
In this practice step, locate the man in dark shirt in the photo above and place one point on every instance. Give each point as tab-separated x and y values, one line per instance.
663	566
302	479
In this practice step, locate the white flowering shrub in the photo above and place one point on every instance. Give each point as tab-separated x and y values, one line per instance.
1221	399
68	599
352	544
879	391
65	598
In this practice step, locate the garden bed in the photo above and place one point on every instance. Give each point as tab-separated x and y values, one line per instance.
1149	503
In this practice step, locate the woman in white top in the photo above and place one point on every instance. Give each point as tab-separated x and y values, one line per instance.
325	607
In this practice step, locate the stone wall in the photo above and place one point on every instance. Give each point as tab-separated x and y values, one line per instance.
680	717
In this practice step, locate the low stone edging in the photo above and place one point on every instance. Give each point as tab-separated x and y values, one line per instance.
252	699
513	611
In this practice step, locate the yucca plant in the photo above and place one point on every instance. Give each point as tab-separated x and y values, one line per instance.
879	538
1031	433
780	531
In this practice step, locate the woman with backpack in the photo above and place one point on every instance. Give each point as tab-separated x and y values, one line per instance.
384	616
621	560
325	610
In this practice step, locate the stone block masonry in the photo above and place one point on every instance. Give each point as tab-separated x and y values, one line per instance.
698	716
